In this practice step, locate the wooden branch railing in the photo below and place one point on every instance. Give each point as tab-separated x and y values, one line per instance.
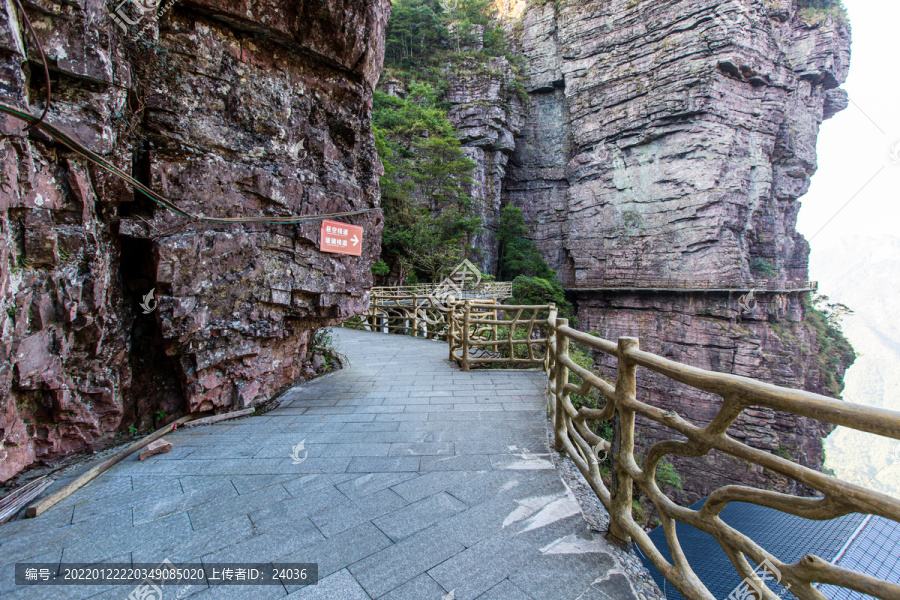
838	498
483	290
420	311
515	339
573	435
530	335
413	315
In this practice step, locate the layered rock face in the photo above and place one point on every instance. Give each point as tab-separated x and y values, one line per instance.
230	109
673	140
487	114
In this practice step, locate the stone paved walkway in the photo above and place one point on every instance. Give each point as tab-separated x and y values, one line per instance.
418	480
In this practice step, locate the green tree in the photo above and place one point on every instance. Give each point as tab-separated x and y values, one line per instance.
817	10
518	255
835	353
429	217
430	220
537	290
474	11
416	30
380	268
415	115
820	4
442	172
534	282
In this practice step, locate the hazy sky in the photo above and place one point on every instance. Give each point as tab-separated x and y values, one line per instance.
855	147
856	143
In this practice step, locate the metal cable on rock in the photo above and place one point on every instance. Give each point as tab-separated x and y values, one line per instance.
40	48
163	201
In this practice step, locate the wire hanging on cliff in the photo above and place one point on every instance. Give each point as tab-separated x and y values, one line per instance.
163	201
40	49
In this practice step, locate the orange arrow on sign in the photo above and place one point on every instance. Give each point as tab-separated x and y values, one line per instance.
341	238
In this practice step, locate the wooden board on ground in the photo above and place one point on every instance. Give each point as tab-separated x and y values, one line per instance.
222	417
36	509
16	499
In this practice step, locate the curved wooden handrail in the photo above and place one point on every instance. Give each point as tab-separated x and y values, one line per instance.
485	290
738	393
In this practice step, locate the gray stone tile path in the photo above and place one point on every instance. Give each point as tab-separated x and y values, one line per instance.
415	480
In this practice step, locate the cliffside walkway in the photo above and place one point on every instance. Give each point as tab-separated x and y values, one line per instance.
692	286
414	480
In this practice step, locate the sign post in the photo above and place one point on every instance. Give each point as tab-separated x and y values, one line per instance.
341	238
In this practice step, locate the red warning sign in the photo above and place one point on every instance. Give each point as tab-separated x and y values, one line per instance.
341	238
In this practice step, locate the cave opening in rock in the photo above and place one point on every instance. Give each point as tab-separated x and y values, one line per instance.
141	166
156	394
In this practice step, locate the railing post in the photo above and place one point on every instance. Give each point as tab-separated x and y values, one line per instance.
623	443
551	340
494	301
467	308
451	330
416	316
562	394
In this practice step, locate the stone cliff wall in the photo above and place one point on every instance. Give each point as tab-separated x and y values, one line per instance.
230	109
487	109
674	139
487	113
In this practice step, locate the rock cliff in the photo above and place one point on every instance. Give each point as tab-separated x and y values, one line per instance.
673	140
230	109
487	113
